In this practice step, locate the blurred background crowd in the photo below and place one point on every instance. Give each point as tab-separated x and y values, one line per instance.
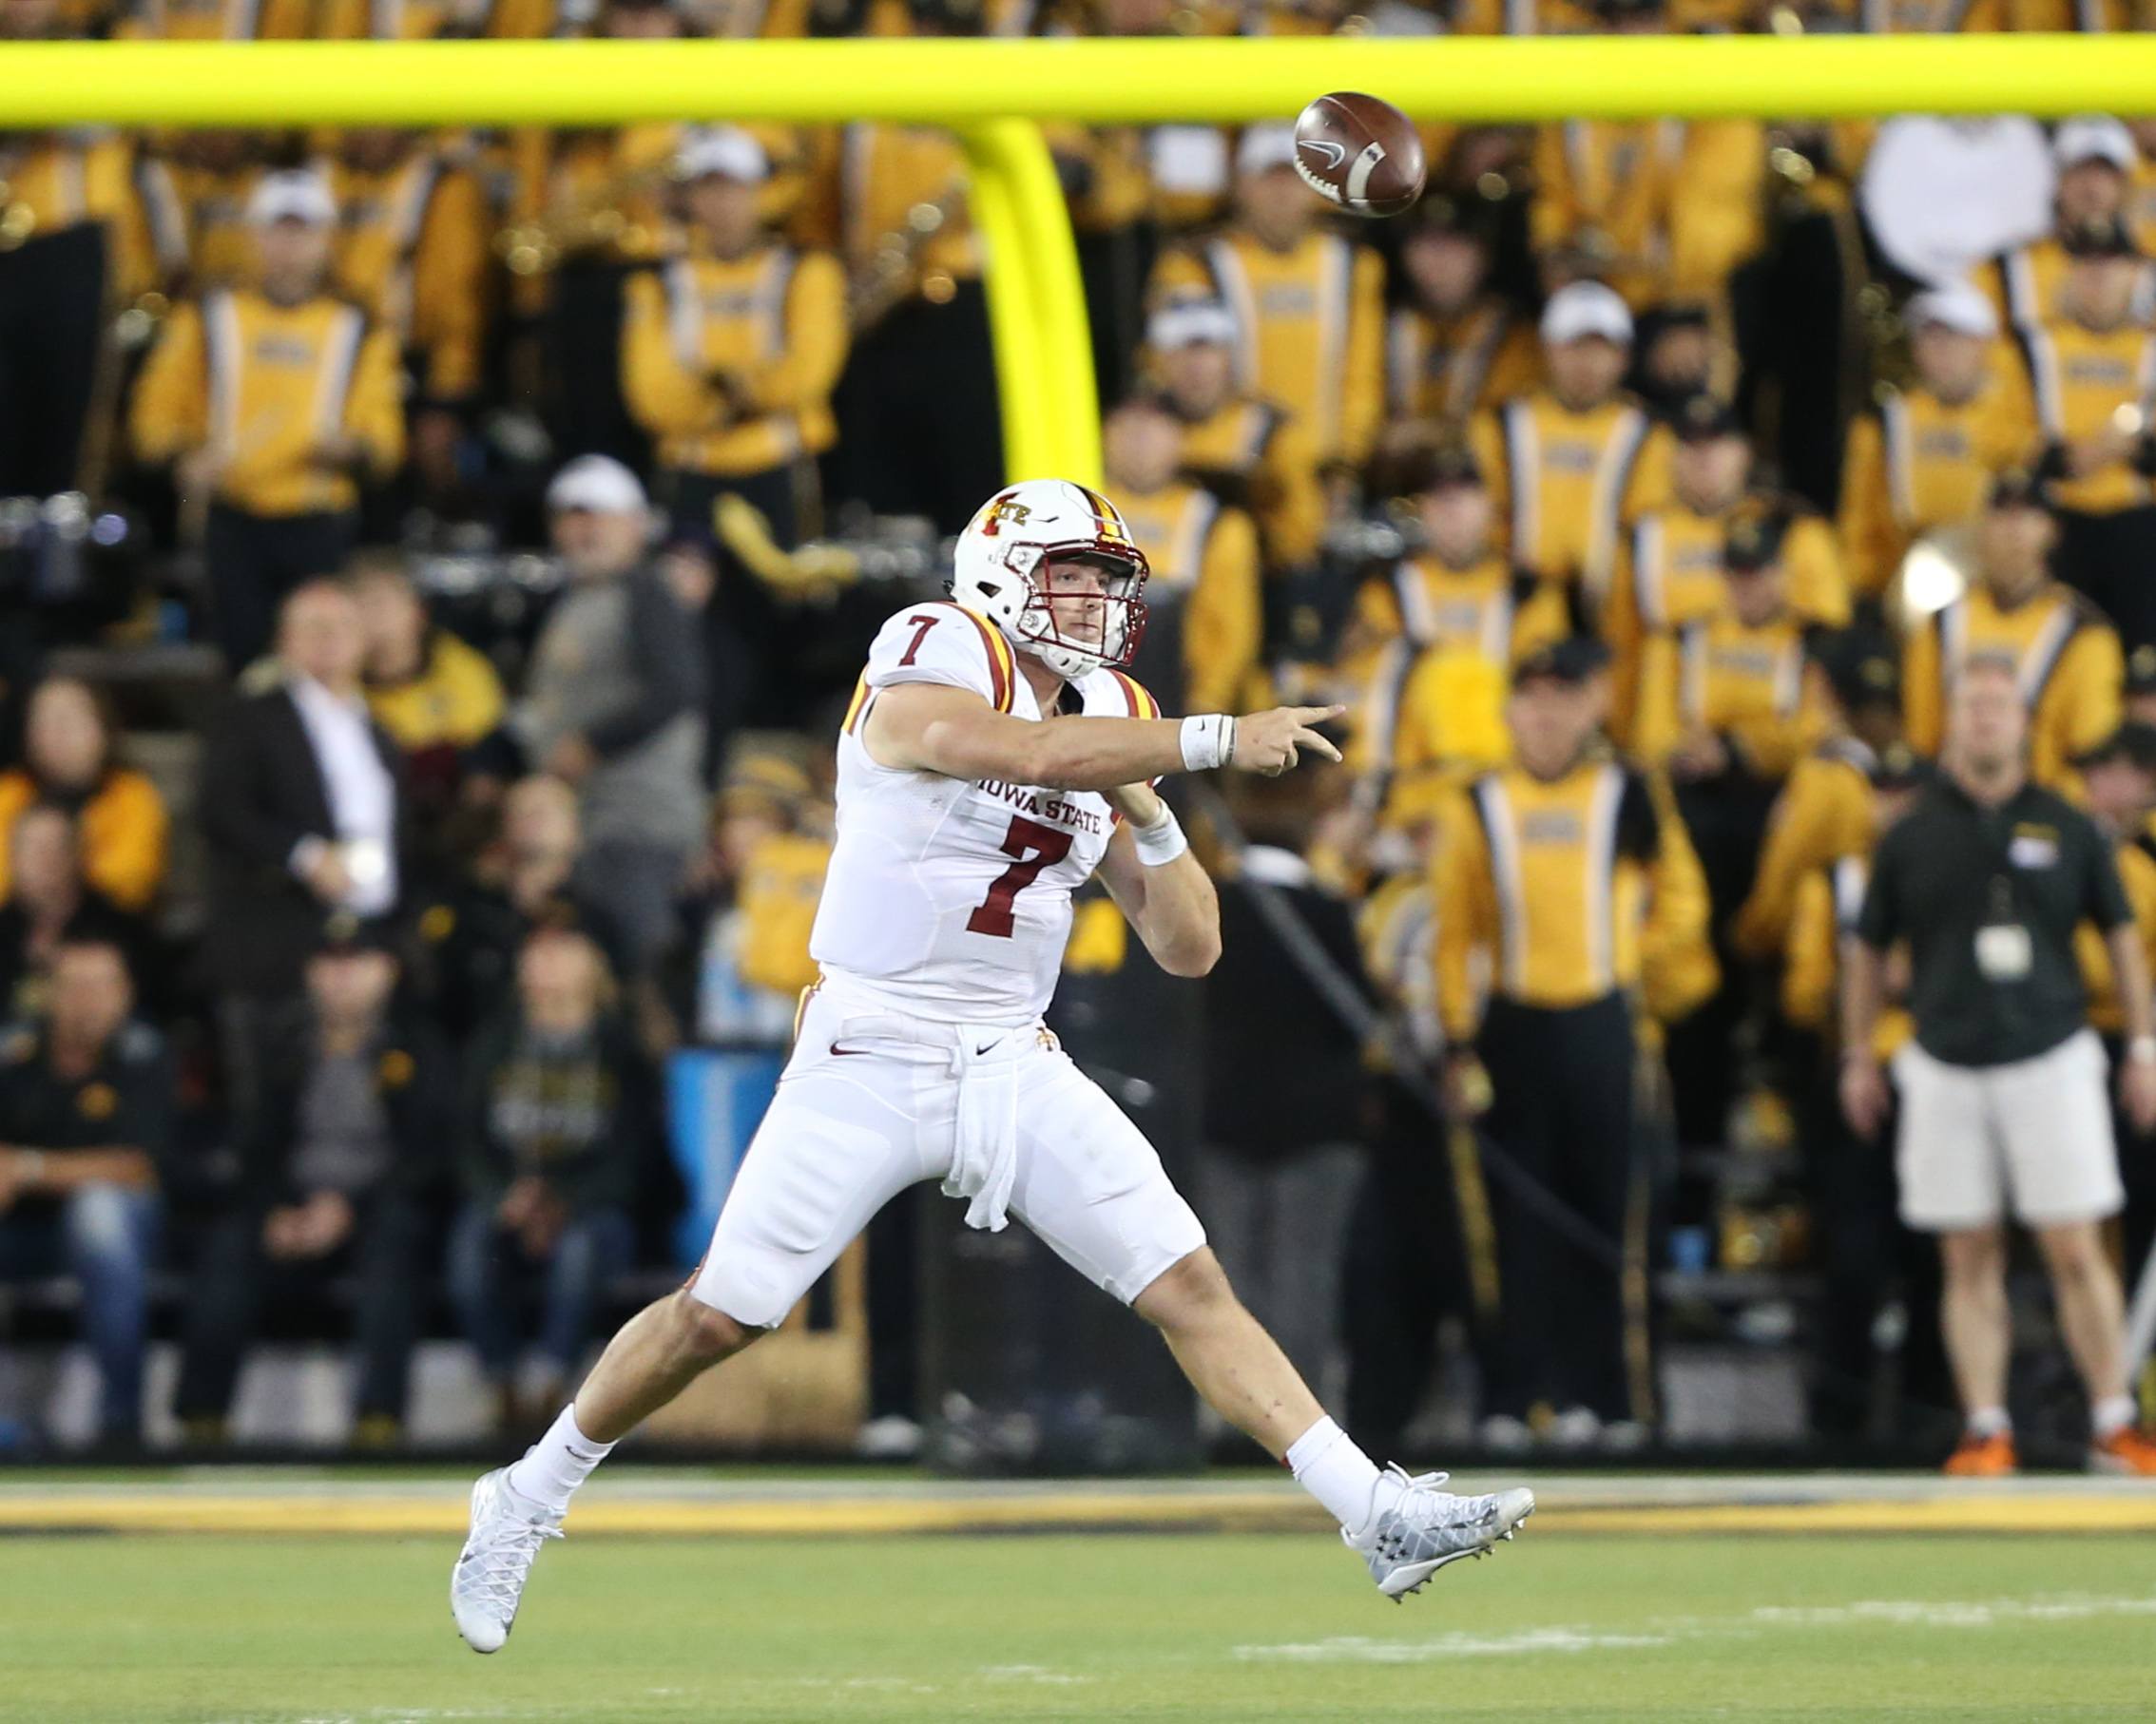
432	567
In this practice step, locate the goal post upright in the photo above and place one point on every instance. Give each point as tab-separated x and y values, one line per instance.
992	94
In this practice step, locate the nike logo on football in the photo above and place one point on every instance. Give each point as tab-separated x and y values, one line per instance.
1334	153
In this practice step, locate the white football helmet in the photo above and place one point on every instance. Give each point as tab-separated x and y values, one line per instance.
1002	556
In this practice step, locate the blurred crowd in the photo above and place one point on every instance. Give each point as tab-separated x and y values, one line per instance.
1641	494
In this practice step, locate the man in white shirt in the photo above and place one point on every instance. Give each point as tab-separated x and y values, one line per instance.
301	805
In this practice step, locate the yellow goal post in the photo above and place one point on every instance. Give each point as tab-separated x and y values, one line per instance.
993	94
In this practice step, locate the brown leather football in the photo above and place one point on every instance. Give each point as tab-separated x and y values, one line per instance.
1359	153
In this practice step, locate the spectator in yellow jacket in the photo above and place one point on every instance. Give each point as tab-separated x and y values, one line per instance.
1922	459
1205	609
1308	302
68	761
273	403
1251	453
1825	811
2063	652
730	351
439	697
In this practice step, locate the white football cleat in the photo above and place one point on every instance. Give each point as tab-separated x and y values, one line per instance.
507	1531
1423	1528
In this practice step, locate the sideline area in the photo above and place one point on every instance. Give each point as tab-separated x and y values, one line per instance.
646	1503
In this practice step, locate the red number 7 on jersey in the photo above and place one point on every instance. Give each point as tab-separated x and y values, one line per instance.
1034	847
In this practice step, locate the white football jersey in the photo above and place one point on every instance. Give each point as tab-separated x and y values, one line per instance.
955	898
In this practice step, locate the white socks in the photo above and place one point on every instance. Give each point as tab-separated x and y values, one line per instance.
557	1464
1990	1422
1334	1471
2112	1414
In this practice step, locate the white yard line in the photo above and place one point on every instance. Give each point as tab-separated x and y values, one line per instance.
1911	1612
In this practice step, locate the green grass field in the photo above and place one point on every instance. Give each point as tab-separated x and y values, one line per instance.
188	1630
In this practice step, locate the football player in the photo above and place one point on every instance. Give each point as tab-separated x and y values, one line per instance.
994	758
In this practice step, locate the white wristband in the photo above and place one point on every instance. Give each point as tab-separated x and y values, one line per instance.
1209	740
1162	841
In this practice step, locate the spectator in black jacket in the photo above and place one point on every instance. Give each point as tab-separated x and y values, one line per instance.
48	905
559	1109
84	1107
303	804
336	1162
1281	1168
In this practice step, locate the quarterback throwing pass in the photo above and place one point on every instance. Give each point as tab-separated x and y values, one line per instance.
994	758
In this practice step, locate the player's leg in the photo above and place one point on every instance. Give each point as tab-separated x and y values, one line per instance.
1091	1187
833	1149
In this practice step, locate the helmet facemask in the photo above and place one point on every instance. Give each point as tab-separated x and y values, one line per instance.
1099	628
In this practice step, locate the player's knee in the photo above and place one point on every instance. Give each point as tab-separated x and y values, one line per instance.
705	1333
1189	1293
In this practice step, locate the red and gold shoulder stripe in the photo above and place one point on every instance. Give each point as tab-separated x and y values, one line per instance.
1003	664
1137	697
855	705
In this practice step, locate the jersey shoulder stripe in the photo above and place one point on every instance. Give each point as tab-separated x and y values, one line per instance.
1137	697
1003	665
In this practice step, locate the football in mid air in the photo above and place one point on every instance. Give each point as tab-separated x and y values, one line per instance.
1359	153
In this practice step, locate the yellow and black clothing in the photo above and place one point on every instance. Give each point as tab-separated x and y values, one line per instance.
448	707
1447	369
729	363
2137	873
429	20
218	20
1206	611
2025	283
1847	1181
1741	682
1918	463
1677	205
1256	456
121	830
782	882
2080	378
1669	576
72	245
1566	886
1822	814
196	218
1567	483
412	248
1310	324
266	384
920	426
2065	655
1436	713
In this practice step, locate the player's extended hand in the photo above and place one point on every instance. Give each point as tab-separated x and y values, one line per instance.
1271	742
1864	1094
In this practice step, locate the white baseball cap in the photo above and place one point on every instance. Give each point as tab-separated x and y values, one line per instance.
1268	144
2093	138
294	195
599	483
1581	309
725	151
1956	306
1189	324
